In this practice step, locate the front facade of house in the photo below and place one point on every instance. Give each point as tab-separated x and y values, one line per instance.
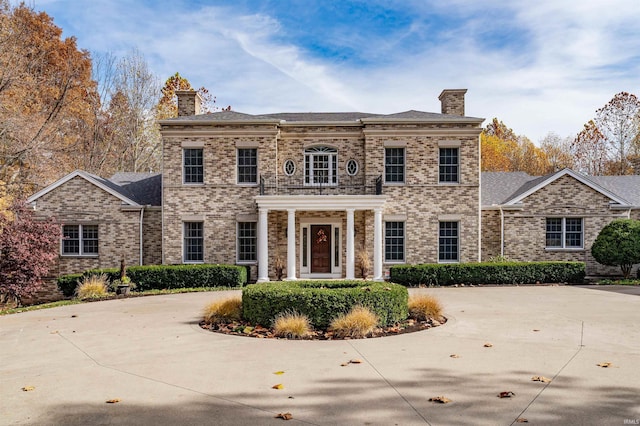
311	195
311	192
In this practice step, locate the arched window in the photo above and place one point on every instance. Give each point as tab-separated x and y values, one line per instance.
321	166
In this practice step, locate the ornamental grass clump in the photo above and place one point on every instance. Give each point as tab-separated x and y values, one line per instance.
291	325
357	323
223	311
424	307
92	287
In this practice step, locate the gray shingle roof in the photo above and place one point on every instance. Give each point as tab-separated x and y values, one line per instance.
144	188
627	187
498	187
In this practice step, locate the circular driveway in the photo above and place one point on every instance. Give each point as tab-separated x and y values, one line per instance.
151	354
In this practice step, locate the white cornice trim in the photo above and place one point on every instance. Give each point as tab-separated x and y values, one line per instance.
87	177
320	135
577	176
218	132
323	202
472	132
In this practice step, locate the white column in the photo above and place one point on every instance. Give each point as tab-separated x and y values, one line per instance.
291	244
350	274
263	246
377	245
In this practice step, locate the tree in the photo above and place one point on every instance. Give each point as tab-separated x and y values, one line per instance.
618	244
557	151
27	250
590	150
45	87
168	105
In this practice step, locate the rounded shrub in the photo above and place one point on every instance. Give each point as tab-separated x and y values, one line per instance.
618	244
322	301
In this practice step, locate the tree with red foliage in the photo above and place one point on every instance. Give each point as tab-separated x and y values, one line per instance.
28	247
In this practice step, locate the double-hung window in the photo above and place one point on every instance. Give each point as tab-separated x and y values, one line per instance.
449	165
247	242
394	163
564	232
321	166
80	240
394	241
193	165
449	242
248	166
193	243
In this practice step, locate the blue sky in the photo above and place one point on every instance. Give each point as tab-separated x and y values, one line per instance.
542	66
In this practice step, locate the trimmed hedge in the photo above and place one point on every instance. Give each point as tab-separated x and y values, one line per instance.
488	273
158	277
322	300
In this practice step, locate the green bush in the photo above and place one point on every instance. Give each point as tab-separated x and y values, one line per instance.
488	273
158	277
322	301
69	283
618	244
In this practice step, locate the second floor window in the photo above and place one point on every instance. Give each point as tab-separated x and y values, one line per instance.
321	166
248	165
449	165
193	165
394	165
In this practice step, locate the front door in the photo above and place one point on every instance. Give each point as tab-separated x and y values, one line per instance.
321	249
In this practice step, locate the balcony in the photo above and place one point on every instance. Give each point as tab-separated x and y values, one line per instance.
346	185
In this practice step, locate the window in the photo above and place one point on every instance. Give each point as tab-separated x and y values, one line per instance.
394	242
80	240
193	242
321	166
449	165
352	167
193	168
564	232
248	166
289	167
448	242
247	241
394	165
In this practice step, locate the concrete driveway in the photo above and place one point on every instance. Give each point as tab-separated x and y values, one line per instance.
151	354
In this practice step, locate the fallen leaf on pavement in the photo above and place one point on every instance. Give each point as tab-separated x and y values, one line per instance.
355	361
28	388
540	379
507	394
113	401
522	420
284	416
604	364
278	386
454	356
488	345
535	329
440	399
344	364
278	373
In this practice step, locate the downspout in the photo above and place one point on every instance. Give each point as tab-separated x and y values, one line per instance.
629	213
141	242
501	232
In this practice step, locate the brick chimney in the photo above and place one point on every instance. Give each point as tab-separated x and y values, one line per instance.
452	101
189	102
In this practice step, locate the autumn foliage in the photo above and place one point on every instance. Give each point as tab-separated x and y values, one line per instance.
28	248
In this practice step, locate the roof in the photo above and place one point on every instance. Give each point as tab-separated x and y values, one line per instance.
133	189
510	188
320	117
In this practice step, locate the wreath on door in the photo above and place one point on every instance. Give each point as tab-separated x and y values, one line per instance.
322	237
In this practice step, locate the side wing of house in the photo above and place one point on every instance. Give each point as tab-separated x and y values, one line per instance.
557	219
99	225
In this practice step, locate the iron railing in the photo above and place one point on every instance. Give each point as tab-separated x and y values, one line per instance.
345	185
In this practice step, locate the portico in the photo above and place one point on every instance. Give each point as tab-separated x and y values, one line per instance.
320	240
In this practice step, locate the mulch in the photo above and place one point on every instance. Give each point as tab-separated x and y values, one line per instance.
243	328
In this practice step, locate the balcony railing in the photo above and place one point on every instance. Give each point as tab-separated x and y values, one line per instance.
346	185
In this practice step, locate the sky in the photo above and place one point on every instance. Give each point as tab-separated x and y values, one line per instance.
540	67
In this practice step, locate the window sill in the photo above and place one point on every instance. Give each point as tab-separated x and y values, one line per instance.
449	183
193	183
91	256
394	262
564	249
393	184
193	262
246	262
448	262
249	184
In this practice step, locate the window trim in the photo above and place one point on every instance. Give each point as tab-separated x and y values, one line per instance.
184	240
404	242
563	234
346	167
458	246
81	239
238	245
284	167
184	174
457	165
404	165
254	183
332	170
